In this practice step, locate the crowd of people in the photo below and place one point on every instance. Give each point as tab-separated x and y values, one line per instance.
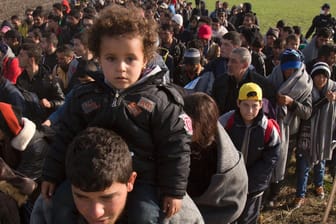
127	111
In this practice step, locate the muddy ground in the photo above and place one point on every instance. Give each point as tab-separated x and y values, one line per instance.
311	212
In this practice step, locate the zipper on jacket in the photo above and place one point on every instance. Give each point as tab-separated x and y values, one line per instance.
115	99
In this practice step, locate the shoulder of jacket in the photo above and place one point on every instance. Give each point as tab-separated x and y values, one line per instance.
87	89
171	91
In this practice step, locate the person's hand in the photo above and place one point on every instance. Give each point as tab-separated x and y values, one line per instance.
331	96
45	103
284	100
47	123
171	206
47	189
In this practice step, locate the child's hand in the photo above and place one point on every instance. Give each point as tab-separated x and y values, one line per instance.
171	206
47	189
331	96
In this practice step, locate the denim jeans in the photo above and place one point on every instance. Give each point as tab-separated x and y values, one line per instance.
143	204
302	174
41	213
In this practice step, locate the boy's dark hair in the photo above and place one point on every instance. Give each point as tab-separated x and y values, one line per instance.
324	32
234	37
96	159
57	6
36	33
326	50
66	50
279	43
251	15
258	42
118	21
12	34
53	17
38	13
297	30
288	29
205	19
83	37
291	37
33	51
15	17
76	13
167	27
50	38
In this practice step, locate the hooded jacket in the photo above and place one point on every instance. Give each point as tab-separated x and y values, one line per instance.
148	115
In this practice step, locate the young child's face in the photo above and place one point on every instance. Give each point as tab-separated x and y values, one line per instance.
103	206
249	109
122	60
293	44
320	81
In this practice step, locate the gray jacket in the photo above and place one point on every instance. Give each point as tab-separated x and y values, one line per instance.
225	198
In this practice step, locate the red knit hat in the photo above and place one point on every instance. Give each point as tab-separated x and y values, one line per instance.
10	119
204	32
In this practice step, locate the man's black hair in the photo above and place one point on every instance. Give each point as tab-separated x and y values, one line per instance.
96	159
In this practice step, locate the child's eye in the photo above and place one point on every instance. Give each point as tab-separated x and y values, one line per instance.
110	58
130	59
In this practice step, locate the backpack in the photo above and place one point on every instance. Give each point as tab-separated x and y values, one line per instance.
270	124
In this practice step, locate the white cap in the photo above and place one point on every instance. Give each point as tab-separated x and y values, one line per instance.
177	18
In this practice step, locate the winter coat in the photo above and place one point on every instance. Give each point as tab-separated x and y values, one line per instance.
225	90
260	156
148	115
44	85
225	197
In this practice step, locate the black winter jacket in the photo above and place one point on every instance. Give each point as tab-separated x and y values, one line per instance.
225	90
44	85
148	115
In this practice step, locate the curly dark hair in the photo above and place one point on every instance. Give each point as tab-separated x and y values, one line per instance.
118	21
96	159
204	114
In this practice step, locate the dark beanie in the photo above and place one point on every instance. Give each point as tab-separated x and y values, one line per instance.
10	119
321	68
290	59
192	56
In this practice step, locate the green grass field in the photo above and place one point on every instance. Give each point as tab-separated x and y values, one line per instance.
294	12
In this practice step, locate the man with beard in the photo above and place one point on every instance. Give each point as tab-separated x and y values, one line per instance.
225	89
66	66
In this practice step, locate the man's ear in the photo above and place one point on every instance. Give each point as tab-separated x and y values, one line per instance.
131	180
238	102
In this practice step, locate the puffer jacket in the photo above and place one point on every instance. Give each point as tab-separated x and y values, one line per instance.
148	115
